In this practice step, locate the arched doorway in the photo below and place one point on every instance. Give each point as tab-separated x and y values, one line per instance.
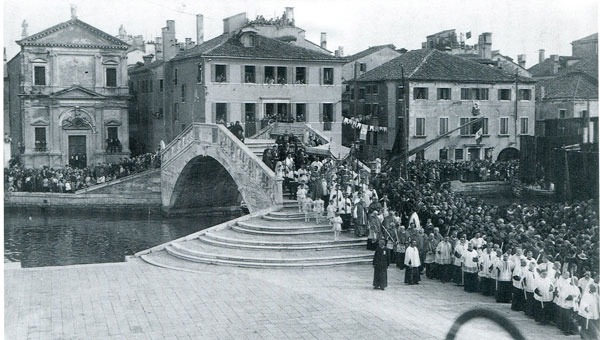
204	185
508	154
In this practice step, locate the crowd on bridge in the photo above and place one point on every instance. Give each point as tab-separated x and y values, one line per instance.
69	179
542	258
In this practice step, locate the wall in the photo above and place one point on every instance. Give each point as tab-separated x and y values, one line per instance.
34	199
587	49
372	60
432	109
201	98
14	102
549	109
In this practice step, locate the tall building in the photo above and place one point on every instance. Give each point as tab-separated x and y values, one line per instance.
255	71
440	92
68	96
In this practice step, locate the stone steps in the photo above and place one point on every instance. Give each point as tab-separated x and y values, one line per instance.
251	263
283	228
283	240
282	246
269	233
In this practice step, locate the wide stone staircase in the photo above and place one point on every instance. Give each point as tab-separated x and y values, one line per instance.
278	239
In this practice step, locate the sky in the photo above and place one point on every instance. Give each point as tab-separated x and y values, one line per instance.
518	27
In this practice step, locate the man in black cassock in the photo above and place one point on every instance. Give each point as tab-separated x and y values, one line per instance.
380	263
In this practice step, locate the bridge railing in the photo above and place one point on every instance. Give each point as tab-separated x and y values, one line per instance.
234	150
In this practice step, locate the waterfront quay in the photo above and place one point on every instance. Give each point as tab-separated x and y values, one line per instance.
135	300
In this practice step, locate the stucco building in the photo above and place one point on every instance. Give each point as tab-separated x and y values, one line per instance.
68	96
255	71
439	91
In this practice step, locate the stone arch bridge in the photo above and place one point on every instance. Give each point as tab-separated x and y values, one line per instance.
207	168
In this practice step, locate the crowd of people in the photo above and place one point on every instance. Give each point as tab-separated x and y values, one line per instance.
542	258
69	180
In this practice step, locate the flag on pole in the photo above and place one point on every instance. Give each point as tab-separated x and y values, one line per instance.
469	35
479	135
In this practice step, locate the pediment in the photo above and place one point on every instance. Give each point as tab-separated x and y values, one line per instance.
112	122
74	33
40	122
77	92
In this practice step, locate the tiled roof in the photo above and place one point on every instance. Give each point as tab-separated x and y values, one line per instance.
143	67
574	85
368	51
591	37
433	65
266	48
546	69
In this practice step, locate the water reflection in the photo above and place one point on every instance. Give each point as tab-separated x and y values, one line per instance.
63	237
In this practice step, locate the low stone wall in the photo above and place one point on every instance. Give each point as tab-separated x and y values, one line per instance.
481	188
43	199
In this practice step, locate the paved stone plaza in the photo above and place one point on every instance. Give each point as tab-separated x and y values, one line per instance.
135	300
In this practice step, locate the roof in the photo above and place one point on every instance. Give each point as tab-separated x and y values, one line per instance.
70	34
574	85
434	65
229	45
144	67
589	38
546	69
369	51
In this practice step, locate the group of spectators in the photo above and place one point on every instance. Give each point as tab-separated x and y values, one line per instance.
542	257
469	171
69	180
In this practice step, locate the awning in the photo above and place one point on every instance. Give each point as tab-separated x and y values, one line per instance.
332	149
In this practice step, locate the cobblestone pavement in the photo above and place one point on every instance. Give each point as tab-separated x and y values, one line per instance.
135	300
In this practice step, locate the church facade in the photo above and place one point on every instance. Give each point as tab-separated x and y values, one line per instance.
68	97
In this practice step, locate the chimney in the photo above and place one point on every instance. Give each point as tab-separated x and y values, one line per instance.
199	29
555	63
289	13
341	51
323	40
148	59
542	57
522	60
158	48
169	42
188	43
336	53
485	45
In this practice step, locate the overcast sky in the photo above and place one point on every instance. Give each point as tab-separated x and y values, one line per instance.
518	27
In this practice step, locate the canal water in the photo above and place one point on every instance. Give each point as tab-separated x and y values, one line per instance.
63	237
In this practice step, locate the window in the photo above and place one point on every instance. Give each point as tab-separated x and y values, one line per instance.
363	67
220	73
458	154
583	113
485	131
300	75
251	40
111	77
327	116
250	112
183	93
524	125
443	94
504	126
375	108
361	93
221	114
199	74
374	137
150	85
562	113
328	76
112	132
375	89
420	93
282	75
368	89
269	75
504	94
465	94
39	75
465	130
443	155
481	94
525	94
161	85
40	139
420	131
301	112
175	74
400	92
249	74
443	125
176	111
